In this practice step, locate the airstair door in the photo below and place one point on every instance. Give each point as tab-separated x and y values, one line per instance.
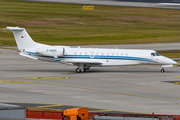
92	54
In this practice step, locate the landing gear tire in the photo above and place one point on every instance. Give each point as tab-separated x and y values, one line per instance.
162	70
78	70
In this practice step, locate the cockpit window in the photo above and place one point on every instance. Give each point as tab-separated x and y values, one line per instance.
153	54
157	54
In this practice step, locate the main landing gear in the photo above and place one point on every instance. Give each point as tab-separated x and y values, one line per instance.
162	70
82	68
79	70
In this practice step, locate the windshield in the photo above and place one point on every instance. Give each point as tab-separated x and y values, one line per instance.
155	54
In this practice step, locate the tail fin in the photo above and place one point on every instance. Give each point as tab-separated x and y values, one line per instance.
23	40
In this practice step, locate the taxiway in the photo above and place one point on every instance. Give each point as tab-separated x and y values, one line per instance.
126	89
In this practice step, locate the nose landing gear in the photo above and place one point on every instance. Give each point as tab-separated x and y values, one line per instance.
162	70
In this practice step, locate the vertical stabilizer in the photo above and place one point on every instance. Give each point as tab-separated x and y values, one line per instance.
23	40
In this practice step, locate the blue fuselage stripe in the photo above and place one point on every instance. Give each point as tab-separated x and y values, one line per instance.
97	57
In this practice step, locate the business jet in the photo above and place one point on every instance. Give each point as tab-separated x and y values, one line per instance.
85	58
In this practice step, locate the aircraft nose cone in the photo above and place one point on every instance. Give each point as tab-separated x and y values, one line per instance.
174	62
170	61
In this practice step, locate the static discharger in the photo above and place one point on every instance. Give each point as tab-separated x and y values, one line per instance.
88	7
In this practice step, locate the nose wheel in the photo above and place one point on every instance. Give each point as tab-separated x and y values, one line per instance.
162	70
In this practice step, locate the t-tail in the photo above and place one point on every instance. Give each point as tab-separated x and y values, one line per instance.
31	49
23	40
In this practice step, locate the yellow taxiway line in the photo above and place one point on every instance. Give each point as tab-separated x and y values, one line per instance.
177	83
10	81
50	106
105	91
46	78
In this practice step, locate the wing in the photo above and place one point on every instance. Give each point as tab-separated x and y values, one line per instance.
75	62
81	62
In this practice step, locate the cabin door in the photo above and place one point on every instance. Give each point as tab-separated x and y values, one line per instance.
92	54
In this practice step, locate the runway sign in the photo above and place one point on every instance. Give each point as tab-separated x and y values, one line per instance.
88	7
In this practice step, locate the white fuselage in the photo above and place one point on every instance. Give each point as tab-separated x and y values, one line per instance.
107	57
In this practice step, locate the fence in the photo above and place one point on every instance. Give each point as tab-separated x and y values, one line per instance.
43	114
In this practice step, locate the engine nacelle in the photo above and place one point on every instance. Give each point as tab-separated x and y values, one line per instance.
50	51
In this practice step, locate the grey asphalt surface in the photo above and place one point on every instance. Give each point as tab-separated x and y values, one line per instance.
126	89
169	4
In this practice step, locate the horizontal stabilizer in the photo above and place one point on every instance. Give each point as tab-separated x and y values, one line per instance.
15	28
25	55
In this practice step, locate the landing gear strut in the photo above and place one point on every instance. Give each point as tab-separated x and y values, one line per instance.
162	70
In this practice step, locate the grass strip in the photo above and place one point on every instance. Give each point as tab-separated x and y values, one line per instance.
171	53
69	24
